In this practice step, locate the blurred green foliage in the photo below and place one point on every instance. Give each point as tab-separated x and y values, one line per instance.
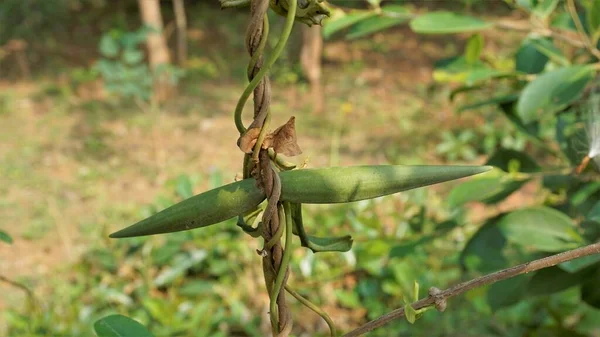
532	101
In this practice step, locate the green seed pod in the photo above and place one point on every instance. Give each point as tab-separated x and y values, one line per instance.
201	210
347	184
309	186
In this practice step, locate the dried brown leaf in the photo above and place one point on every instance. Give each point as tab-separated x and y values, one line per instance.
283	140
247	140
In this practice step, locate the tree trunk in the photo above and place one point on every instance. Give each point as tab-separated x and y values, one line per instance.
158	53
310	59
181	23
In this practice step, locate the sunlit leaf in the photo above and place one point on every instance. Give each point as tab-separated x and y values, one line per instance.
552	91
336	24
120	326
373	25
542	228
447	23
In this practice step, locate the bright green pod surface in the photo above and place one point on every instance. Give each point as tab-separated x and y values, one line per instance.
201	210
307	186
354	183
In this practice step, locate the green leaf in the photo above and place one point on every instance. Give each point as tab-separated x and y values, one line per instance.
120	326
594	213
396	10
184	186
593	19
552	92
503	158
483	252
5	237
529	59
590	291
576	265
531	129
542	228
508	292
373	25
179	267
483	189
552	280
447	23
490	101
547	48
474	48
544	8
109	47
132	56
196	288
345	21
410	313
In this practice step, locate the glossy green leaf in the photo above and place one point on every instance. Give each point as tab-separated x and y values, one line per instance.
489	101
590	291
552	280
504	159
120	326
474	48
508	292
488	188
345	21
410	313
5	237
447	23
179	267
531	129
484	251
542	228
547	48
552	92
576	265
373	25
396	10
529	59
593	18
570	135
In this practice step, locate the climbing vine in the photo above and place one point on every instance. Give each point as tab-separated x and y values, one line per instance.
267	176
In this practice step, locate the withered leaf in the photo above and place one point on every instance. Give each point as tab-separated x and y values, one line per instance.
283	139
247	140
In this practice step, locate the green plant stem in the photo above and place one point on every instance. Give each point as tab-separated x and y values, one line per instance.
287	29
285	260
261	137
313	307
277	236
261	46
438	297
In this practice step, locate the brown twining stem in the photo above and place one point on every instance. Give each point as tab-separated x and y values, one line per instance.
263	171
438	297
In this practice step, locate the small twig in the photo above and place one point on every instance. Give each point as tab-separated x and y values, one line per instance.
526	28
584	37
438	298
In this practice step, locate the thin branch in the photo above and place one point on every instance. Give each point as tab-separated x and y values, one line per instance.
526	28
575	17
438	297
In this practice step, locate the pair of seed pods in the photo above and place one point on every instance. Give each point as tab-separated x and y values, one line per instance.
305	186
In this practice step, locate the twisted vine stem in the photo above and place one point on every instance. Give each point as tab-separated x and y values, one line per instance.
276	219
